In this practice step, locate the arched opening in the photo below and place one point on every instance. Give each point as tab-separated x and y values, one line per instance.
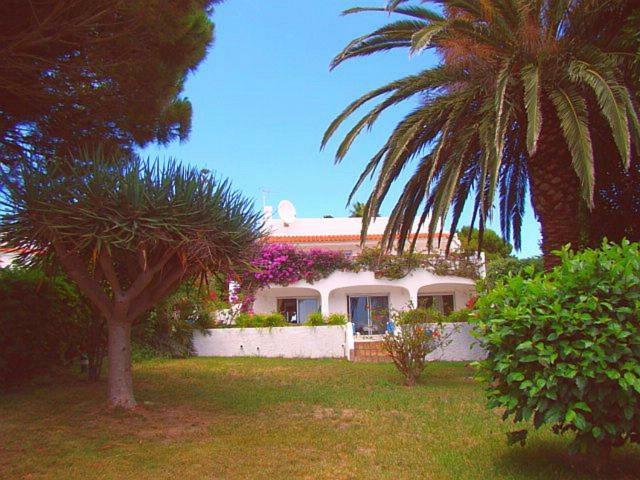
295	303
445	297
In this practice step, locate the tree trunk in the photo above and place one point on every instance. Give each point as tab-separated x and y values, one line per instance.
555	192
119	381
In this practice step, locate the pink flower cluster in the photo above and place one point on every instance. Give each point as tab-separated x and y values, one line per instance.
282	264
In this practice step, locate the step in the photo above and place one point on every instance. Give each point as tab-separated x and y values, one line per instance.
372	359
369	345
369	352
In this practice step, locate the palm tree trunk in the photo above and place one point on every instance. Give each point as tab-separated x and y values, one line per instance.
555	192
119	380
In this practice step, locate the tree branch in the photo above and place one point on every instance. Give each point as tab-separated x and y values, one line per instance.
153	295
145	278
106	265
75	268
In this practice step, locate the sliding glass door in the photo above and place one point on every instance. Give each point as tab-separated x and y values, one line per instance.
359	314
297	310
369	314
307	306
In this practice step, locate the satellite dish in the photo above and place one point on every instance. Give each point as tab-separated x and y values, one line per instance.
287	212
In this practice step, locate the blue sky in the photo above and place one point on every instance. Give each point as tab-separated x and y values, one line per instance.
264	96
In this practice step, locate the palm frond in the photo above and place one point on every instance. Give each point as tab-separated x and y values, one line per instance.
395	35
571	109
530	76
611	105
410	11
422	38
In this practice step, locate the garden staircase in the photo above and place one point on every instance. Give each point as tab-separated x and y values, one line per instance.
369	351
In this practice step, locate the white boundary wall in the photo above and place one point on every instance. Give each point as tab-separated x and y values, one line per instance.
463	346
288	342
316	342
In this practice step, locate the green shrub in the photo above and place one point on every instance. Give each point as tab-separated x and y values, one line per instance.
416	334
418	316
337	319
168	328
503	267
459	316
140	353
42	323
564	347
246	320
274	320
315	320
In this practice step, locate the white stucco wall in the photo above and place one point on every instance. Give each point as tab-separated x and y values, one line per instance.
463	346
288	342
315	342
333	290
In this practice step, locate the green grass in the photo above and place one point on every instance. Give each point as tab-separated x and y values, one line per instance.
276	419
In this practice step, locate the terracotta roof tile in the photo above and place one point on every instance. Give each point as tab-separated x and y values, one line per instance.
333	238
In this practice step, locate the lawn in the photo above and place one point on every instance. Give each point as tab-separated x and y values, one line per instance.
276	419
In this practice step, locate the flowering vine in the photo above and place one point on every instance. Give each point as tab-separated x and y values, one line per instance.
284	264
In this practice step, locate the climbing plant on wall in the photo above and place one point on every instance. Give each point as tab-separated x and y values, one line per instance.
284	264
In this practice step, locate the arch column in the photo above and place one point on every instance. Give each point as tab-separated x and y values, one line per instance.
413	296
324	302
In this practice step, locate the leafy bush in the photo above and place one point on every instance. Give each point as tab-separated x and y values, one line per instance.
274	320
315	320
42	325
140	353
493	245
337	319
459	316
415	335
503	267
564	347
418	316
246	320
168	328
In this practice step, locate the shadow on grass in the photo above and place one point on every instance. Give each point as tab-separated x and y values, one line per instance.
553	460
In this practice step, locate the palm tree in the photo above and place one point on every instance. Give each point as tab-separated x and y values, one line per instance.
357	210
520	88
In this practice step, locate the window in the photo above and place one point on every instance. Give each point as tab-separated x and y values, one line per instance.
297	310
441	303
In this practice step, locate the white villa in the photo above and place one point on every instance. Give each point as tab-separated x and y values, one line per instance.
365	299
